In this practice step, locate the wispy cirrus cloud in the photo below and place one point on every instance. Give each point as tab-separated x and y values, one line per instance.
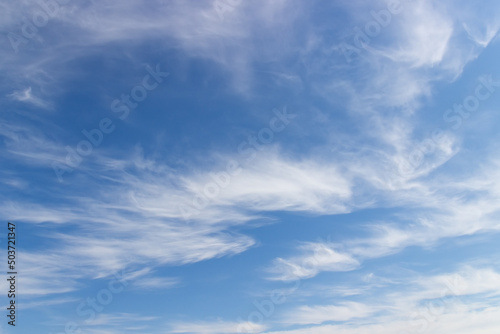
306	315
27	96
426	304
126	211
441	211
315	258
214	327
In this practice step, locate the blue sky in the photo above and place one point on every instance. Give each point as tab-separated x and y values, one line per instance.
275	167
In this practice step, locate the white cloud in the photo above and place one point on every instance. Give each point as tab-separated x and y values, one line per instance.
137	221
305	315
461	322
44	303
84	28
435	212
216	327
468	281
424	35
430	303
117	319
156	283
27	96
315	257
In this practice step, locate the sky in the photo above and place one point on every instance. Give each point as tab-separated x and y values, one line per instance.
229	166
